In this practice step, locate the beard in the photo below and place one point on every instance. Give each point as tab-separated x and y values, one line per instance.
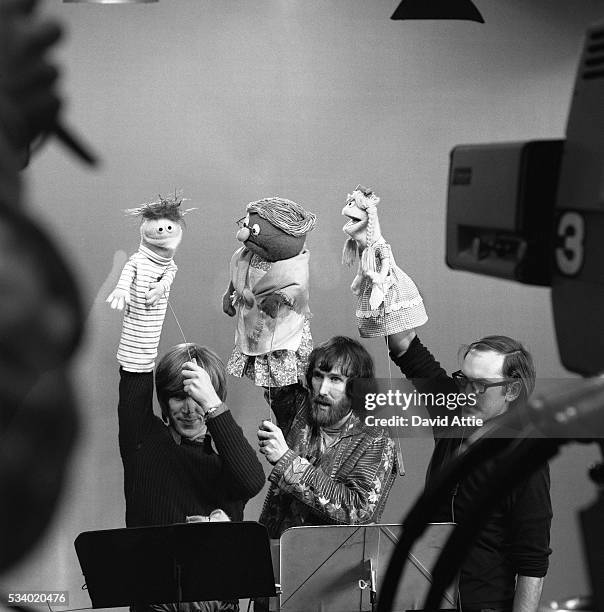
325	413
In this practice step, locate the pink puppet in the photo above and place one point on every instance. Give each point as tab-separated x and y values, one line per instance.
388	300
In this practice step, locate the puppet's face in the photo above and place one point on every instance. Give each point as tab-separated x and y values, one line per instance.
268	241
162	236
356	227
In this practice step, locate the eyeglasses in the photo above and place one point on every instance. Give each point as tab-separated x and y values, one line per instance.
478	386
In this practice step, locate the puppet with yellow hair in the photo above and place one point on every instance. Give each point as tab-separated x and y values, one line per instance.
388	300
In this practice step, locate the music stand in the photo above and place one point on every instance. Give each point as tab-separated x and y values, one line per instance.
340	568
176	563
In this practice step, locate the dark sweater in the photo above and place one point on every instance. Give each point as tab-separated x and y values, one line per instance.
515	538
165	481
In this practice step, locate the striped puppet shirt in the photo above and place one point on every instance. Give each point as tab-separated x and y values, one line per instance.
142	324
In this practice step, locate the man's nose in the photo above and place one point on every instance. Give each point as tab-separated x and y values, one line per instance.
189	406
324	387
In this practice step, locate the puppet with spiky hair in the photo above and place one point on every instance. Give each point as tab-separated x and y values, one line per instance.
388	300
144	285
268	292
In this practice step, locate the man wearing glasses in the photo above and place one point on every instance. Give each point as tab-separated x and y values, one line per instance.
505	568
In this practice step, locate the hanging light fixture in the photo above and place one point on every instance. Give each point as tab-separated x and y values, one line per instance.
437	9
111	1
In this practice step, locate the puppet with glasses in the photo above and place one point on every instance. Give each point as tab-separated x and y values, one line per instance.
268	293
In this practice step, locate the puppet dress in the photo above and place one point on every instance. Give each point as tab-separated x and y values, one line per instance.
276	368
394	306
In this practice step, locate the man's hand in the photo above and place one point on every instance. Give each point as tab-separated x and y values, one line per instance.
216	516
399	343
198	385
271	442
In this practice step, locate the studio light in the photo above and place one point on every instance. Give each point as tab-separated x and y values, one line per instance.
437	9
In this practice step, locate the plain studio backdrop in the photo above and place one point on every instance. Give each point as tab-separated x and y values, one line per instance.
232	101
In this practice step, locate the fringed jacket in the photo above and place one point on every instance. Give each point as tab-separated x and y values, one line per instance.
346	483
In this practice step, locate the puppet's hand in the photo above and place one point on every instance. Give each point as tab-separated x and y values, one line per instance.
118	298
248	298
271	304
156	290
377	278
227	303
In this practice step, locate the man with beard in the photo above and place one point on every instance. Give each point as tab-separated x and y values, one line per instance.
329	467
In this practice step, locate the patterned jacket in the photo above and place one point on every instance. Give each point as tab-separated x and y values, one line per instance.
347	484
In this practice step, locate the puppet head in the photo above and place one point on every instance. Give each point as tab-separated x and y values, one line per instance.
363	226
162	222
275	228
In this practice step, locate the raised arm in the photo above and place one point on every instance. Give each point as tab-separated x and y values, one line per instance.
135	409
242	474
399	343
418	365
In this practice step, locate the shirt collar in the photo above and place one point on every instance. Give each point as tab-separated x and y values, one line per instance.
152	255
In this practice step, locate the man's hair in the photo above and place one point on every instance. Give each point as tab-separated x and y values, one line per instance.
169	378
517	362
347	354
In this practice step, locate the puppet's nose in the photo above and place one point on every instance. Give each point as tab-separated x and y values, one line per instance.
243	234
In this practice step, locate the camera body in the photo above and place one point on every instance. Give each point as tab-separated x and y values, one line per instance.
500	207
533	212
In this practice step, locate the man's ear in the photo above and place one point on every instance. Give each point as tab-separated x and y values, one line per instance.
513	390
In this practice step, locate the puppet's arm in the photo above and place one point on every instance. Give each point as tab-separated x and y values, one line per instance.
293	295
227	301
162	286
120	296
273	302
356	283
